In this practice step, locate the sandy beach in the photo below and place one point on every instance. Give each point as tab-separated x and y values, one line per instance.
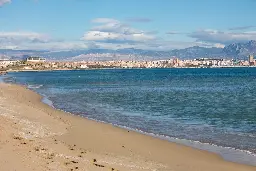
34	136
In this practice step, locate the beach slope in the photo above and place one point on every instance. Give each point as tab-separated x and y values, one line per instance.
34	136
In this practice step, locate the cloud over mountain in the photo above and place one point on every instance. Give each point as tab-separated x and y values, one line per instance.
223	37
23	36
36	41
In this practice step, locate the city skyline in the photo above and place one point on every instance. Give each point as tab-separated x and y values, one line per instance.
85	24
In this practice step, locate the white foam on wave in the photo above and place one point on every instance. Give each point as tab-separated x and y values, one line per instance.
34	86
47	101
1	79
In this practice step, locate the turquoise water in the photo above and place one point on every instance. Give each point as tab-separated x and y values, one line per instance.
212	109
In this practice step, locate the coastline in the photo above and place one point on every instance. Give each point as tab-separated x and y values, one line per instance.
113	147
68	69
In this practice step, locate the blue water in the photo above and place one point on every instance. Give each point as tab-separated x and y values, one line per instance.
196	107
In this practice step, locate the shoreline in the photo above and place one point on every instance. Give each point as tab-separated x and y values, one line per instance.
119	142
228	153
45	70
211	148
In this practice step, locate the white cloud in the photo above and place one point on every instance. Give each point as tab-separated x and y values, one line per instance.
116	27
98	35
55	46
8	47
112	34
223	37
112	25
22	39
116	37
113	31
2	2
94	39
76	45
17	37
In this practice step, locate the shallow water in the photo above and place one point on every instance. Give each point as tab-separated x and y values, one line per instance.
196	107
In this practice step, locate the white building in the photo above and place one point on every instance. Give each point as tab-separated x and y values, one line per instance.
35	59
83	66
27	68
5	63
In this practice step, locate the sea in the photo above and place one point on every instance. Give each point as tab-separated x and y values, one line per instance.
212	109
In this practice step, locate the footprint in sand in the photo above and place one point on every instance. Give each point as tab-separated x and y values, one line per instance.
71	148
17	138
83	152
74	162
98	165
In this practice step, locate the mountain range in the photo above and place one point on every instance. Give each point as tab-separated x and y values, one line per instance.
234	50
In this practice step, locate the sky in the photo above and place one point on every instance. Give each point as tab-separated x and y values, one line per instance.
116	24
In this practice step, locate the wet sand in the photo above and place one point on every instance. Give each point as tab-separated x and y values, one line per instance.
34	136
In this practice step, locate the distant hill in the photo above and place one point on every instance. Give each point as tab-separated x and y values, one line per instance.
240	49
235	50
198	52
139	54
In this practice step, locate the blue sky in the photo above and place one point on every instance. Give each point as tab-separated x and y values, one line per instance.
145	24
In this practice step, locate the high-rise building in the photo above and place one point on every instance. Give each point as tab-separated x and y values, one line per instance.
251	59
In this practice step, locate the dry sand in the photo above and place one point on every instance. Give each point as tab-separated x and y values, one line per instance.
34	136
